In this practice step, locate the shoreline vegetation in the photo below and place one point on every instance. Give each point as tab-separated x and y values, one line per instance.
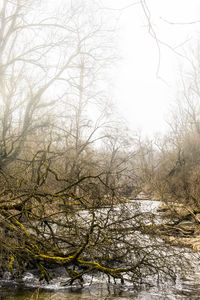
178	226
68	161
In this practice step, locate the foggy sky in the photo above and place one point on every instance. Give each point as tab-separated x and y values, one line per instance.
144	91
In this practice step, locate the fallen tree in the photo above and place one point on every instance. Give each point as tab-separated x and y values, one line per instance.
59	168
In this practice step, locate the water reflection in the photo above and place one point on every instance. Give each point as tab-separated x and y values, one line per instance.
184	288
181	290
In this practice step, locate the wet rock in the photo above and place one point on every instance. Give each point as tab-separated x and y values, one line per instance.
29	278
7	276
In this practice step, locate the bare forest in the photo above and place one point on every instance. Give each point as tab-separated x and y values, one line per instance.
69	166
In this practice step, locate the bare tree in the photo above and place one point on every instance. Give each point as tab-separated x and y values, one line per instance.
52	172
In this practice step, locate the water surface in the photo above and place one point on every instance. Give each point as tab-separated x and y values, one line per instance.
187	287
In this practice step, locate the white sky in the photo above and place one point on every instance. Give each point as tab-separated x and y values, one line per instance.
144	99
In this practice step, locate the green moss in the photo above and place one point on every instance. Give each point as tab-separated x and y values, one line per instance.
10	265
44	273
57	259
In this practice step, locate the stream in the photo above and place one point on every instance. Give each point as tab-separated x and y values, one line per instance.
185	287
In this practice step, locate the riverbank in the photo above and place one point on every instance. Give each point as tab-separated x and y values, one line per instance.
179	226
96	287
